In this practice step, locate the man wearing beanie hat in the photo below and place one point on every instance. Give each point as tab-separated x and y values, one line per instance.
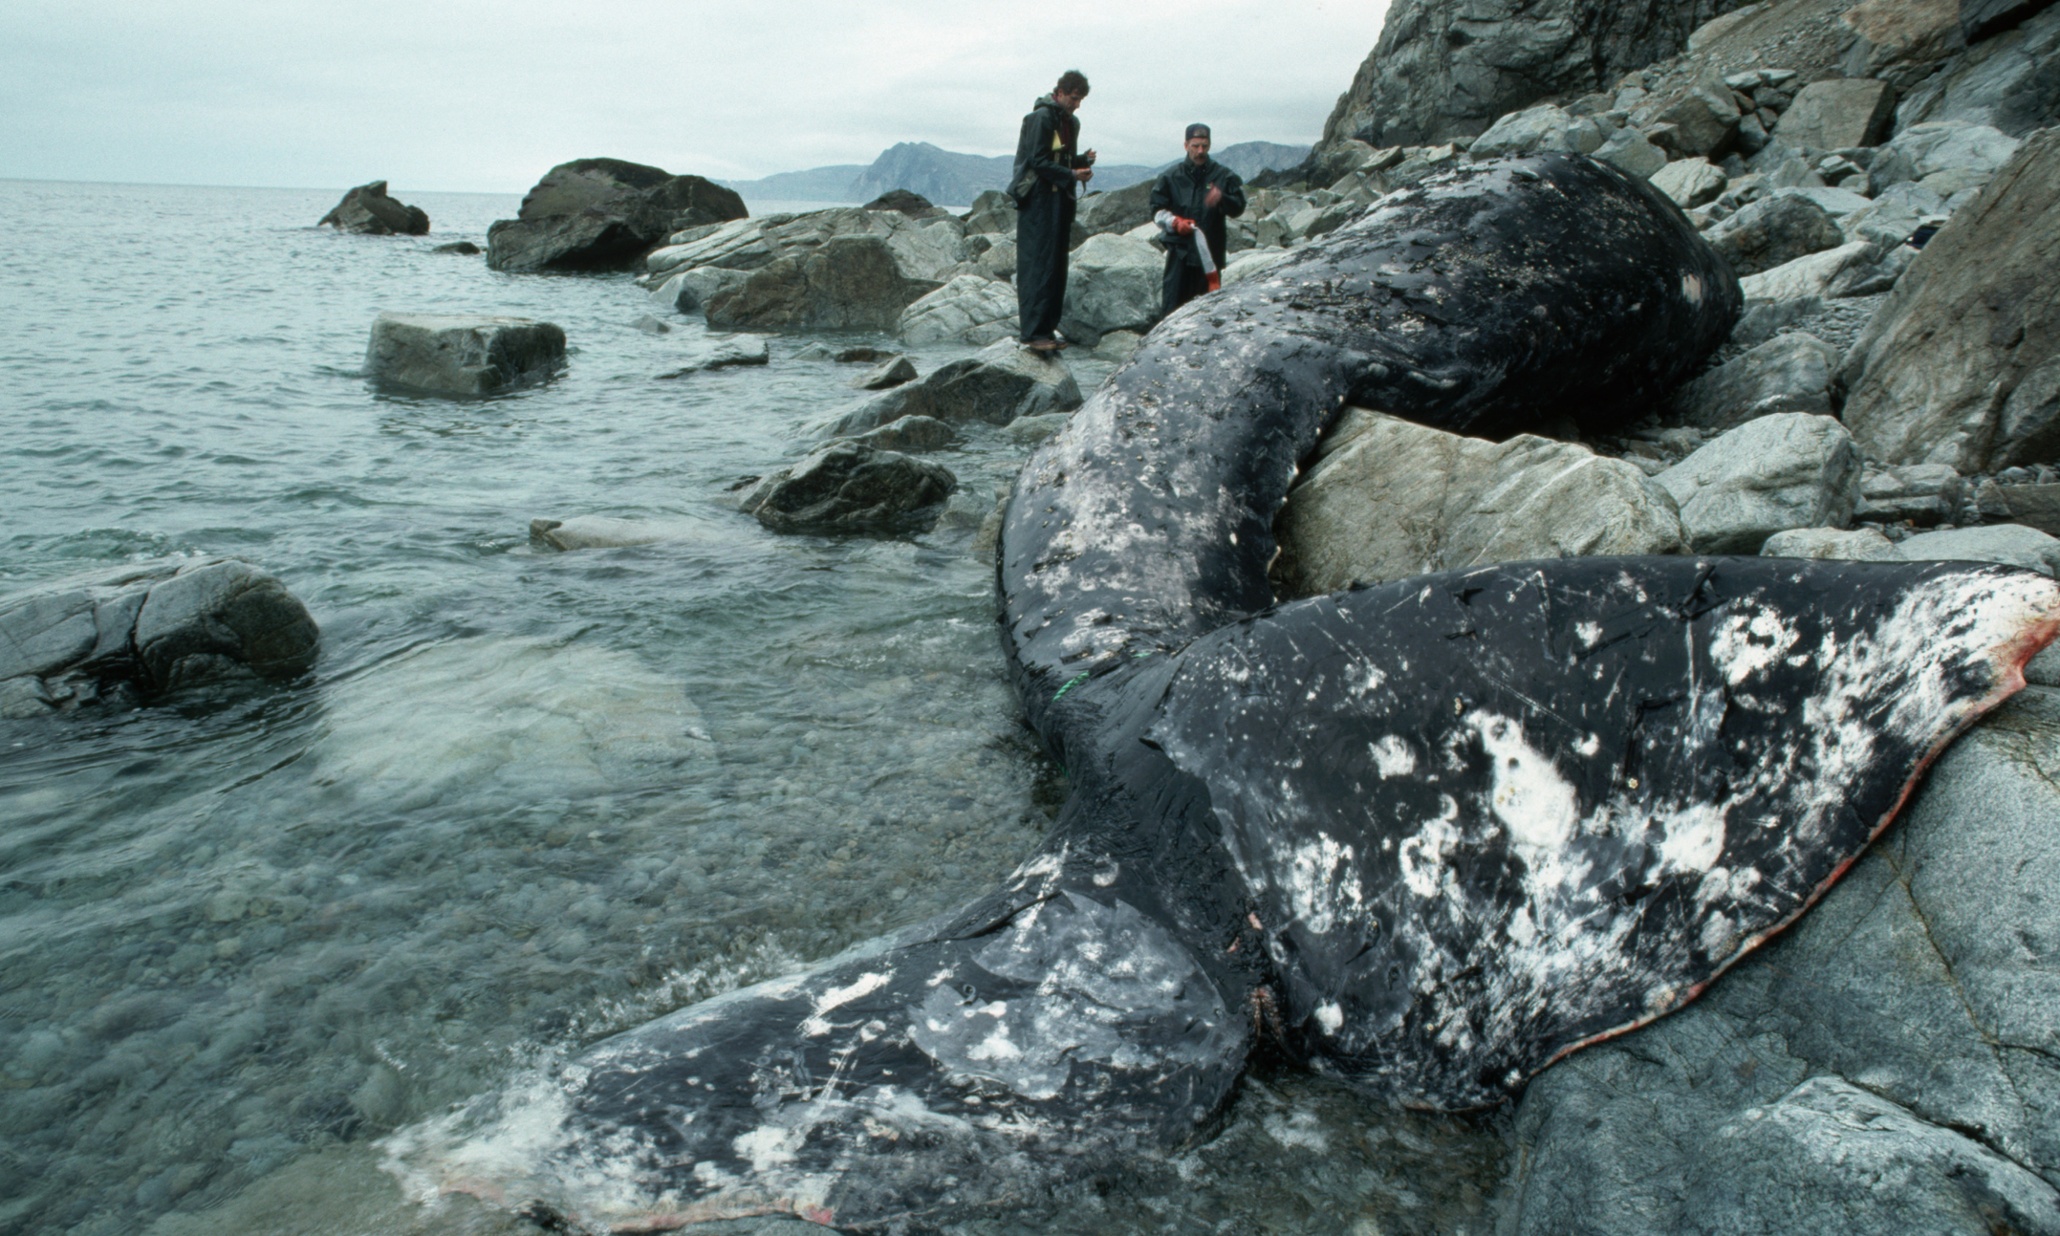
1190	201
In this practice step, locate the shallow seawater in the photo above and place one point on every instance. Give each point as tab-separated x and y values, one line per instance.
525	799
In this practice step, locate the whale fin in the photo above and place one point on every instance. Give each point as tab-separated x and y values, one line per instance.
948	1071
1491	816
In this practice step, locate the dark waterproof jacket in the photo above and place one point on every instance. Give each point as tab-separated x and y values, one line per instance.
1182	188
1046	152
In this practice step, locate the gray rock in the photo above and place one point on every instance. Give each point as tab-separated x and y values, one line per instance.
1689	182
688	291
651	326
1442	70
1700	119
1920	494
849	487
1628	150
461	354
1981	19
996	385
2010	544
1117	211
1031	430
1765	319
1962	366
1773	231
1858	544
603	214
1119	345
2035	506
608	532
463	248
886	375
1788	470
1544	127
849	283
1900	41
1893	216
156	626
969	309
1946	157
2005	81
993	212
1388	498
1926	978
717	353
907	202
914	434
1858	268
1788	373
1838	112
1114	283
368	210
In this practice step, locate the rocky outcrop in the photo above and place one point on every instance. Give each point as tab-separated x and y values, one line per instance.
1115	283
995	386
1838	113
368	210
462	354
1788	470
841	269
148	627
1442	70
1962	366
1118	211
849	487
604	214
969	309
1774	230
1888	1065
889	373
992	212
2005	80
1388	498
914	205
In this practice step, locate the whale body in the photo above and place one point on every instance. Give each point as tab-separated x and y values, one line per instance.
1427	836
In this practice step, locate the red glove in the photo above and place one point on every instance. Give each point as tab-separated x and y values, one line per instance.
1183	227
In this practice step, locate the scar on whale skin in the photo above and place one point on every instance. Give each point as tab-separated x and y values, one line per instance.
1430	835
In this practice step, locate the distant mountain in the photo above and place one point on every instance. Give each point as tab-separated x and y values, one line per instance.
949	178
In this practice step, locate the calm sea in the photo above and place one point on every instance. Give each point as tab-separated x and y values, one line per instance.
525	799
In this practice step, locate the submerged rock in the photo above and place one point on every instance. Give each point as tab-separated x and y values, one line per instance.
154	626
608	532
462	354
1388	498
604	214
368	210
723	354
849	487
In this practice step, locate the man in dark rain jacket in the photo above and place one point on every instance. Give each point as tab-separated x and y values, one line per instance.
1049	173
1195	195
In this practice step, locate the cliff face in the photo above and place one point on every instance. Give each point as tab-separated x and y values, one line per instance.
1448	68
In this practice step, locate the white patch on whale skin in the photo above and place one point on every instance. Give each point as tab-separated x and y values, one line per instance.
1392	757
1748	644
1330	1016
1589	633
1322	883
1693	837
1422	857
1527	793
815	1026
1691	289
766	1147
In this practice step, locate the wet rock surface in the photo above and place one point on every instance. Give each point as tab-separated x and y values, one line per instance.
1787	470
152	627
850	487
603	214
460	354
996	385
368	210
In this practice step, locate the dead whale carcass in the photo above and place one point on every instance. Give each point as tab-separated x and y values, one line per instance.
1430	835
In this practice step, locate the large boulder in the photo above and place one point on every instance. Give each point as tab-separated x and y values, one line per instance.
994	386
1774	230
1901	41
849	283
1890	1064
1388	498
150	627
1945	157
1858	268
462	354
1699	119
992	212
1443	70
2006	81
1117	211
604	214
1545	127
1788	470
2010	544
369	210
849	487
969	309
1962	365
1689	182
1114	283
1791	372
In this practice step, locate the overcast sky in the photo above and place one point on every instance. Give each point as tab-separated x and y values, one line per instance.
487	94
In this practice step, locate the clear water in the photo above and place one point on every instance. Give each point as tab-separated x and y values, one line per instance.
526	798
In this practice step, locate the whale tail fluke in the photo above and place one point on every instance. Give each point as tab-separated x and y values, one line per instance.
945	1073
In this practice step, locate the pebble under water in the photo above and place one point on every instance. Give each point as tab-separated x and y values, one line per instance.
251	937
